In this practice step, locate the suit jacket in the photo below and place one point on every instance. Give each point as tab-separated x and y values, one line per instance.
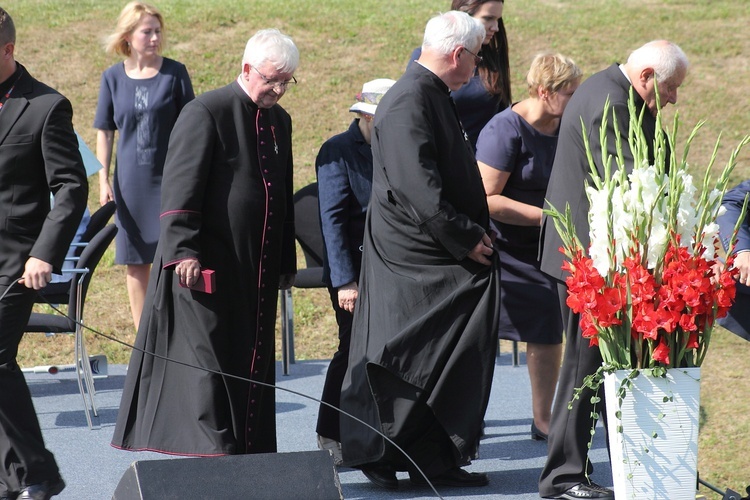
733	201
344	170
38	155
738	319
570	170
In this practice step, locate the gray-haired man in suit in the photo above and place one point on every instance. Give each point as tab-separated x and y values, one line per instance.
662	63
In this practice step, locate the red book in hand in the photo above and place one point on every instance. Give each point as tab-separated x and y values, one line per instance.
206	282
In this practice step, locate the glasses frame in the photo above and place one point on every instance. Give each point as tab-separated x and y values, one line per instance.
477	58
276	86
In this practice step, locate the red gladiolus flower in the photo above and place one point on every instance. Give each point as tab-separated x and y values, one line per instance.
661	353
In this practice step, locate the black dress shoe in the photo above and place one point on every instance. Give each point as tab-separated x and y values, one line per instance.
42	491
592	490
456	477
536	434
381	475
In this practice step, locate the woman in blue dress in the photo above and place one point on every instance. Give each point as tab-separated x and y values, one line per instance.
515	152
488	91
141	98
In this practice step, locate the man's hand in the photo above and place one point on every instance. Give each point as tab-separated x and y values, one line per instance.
482	251
348	296
36	274
188	271
742	262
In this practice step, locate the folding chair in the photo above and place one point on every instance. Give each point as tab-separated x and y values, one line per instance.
77	290
57	293
310	239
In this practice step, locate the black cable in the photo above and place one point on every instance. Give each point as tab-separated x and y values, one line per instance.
237	377
9	287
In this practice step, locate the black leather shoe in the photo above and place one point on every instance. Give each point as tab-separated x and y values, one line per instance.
536	434
456	477
42	491
593	490
381	475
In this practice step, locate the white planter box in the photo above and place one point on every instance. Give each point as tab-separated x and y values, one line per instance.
654	439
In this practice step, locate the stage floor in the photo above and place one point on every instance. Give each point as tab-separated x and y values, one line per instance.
92	468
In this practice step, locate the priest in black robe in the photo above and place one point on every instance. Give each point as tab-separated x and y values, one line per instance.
424	336
226	207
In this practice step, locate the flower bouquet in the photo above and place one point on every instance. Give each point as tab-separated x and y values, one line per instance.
648	290
650	286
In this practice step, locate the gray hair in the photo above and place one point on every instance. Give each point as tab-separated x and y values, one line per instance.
664	57
446	32
272	46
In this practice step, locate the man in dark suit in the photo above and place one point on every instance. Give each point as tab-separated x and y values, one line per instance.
738	319
565	475
38	156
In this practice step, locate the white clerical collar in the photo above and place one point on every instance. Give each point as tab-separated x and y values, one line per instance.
242	86
622	68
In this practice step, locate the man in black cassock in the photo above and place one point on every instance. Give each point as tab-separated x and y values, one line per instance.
424	335
226	206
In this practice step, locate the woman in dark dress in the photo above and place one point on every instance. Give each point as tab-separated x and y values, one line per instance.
141	98
488	91
515	154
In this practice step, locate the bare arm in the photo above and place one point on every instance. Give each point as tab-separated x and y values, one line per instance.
501	207
105	140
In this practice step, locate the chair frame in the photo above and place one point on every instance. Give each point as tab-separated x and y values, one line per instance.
78	288
308	277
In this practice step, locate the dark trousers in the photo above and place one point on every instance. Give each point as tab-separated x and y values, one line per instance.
328	418
24	460
569	433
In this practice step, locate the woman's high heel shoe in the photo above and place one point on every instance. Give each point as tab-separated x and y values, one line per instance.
536	434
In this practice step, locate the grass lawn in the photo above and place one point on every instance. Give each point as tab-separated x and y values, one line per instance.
344	43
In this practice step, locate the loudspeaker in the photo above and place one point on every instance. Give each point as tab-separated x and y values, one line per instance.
306	474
